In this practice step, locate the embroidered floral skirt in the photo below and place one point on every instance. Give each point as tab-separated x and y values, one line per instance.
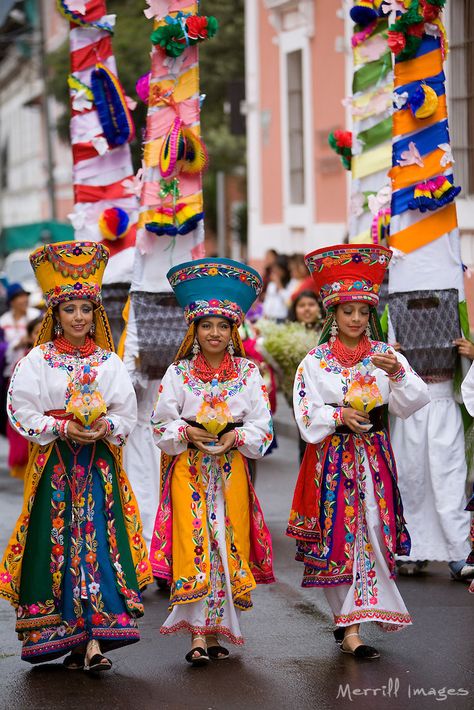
78	580
373	594
211	542
216	613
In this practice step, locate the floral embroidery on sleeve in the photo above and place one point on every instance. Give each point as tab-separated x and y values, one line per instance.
337	416
303	399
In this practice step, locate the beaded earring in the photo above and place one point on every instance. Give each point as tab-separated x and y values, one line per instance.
58	329
368	332
230	348
334	331
92	330
196	347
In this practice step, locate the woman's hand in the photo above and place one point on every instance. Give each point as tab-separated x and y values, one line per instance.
387	362
200	438
465	347
99	429
226	443
354	419
77	433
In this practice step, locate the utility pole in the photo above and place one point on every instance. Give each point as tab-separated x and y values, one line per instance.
50	183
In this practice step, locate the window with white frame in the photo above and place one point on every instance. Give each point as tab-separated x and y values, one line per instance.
296	177
461	96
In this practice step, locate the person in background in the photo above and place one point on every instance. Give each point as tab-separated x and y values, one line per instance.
271	256
13	323
305	309
300	277
17	444
430	450
275	303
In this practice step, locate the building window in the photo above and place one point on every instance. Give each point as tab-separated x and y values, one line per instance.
294	71
461	84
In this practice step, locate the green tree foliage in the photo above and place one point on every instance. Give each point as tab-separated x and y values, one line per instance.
221	61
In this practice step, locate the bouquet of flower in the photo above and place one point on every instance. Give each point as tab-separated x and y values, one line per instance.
363	393
214	413
85	401
287	344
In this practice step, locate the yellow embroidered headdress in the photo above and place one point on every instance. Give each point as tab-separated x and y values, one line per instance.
68	271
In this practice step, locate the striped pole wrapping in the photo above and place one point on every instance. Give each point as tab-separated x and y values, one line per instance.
371	109
174	91
101	175
425	239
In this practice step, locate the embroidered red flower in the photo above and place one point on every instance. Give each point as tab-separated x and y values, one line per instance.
97	619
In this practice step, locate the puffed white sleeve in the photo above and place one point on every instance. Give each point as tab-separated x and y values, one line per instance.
169	430
121	403
24	406
408	392
255	435
315	419
467	390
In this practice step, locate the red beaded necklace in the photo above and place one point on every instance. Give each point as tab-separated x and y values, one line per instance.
206	373
64	346
347	357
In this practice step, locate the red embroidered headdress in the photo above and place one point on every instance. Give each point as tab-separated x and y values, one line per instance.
348	272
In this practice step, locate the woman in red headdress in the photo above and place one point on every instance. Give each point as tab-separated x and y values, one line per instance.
347	515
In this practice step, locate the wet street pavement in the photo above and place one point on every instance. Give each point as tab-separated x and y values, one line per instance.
289	661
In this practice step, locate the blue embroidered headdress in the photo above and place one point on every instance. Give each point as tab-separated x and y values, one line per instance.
215	287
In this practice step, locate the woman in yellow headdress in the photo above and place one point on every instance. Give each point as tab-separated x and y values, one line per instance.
210	539
76	561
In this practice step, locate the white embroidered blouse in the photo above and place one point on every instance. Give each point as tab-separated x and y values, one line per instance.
41	383
321	384
180	396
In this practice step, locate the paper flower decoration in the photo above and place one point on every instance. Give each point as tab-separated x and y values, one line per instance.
341	143
389	6
363	393
214	413
134	185
411	156
85	400
180	31
157	9
447	158
432	194
400	99
142	87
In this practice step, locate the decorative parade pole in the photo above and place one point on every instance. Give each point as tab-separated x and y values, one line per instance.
101	127
369	154
170	223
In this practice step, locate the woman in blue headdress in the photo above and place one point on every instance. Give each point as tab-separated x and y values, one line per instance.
210	539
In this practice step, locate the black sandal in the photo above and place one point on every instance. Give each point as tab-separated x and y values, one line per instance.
339	632
74	662
362	652
96	663
199	660
218	653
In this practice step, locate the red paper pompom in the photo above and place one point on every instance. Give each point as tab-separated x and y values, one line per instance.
430	12
396	42
343	139
196	26
416	30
